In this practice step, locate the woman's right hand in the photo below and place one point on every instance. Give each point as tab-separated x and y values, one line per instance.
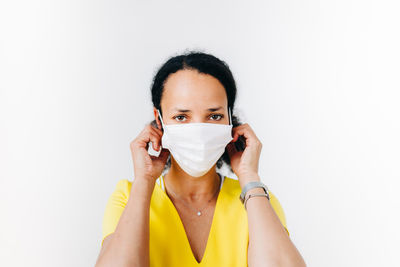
145	165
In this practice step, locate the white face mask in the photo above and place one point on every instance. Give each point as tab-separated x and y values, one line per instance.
196	147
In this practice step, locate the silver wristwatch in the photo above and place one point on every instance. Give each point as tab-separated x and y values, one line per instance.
251	185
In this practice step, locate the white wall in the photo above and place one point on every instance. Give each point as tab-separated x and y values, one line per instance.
318	81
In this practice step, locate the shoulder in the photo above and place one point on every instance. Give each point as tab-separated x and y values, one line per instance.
122	189
123	184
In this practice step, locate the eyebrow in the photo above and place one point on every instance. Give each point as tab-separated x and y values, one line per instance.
188	110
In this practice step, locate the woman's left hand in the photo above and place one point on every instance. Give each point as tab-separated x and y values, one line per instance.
245	163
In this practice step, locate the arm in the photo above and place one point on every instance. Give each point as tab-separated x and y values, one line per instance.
129	244
269	243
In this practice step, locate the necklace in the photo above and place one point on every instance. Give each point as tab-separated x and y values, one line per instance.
198	211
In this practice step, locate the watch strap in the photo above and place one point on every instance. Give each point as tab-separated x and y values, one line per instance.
251	185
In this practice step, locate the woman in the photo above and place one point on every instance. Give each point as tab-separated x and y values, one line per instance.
179	211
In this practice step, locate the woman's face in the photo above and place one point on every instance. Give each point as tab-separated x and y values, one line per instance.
190	96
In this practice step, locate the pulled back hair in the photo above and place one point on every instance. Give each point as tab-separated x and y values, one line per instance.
206	64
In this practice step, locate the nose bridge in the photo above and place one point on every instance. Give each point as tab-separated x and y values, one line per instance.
196	118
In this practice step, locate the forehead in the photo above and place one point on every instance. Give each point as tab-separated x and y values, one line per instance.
192	90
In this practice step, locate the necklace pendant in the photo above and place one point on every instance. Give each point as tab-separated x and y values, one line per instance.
198	213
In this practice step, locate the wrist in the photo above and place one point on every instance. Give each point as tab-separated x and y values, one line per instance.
144	177
248	177
143	184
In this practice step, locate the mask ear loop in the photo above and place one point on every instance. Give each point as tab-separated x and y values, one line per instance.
230	116
159	115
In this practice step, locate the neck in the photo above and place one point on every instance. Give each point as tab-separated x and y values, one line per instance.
189	188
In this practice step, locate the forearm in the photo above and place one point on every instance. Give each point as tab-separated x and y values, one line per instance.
269	243
129	245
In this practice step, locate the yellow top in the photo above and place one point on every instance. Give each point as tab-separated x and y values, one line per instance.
169	246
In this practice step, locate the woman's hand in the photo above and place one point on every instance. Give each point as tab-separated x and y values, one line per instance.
145	165
245	163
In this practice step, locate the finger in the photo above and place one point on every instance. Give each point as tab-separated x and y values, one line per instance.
235	136
150	130
231	149
146	137
251	138
244	127
155	141
158	131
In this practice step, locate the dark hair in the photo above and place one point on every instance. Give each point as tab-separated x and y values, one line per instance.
206	64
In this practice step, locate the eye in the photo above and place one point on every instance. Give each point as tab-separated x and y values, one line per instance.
220	116
178	116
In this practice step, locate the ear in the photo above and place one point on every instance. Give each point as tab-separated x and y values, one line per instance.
157	118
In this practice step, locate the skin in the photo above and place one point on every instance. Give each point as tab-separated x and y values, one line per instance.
269	244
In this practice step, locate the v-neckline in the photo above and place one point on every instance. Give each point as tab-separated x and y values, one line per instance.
182	227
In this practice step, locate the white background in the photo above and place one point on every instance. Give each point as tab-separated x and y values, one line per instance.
318	81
